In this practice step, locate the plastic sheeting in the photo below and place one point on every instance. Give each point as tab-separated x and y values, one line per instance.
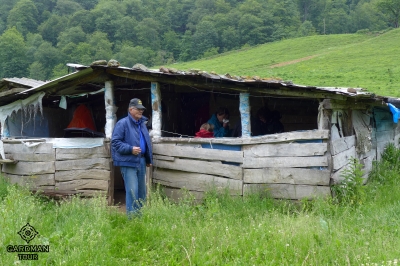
29	107
395	111
19	125
69	143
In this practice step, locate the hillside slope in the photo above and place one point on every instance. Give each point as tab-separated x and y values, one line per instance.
369	61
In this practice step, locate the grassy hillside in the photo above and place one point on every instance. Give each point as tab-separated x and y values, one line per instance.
370	61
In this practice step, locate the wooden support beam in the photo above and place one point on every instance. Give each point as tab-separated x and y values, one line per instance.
111	109
244	108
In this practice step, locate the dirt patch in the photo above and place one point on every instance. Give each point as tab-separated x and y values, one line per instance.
293	61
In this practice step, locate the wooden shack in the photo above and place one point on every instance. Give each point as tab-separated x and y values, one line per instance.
324	128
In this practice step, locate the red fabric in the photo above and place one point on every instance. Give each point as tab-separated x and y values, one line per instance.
204	134
82	118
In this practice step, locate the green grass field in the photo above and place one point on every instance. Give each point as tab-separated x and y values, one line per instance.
363	228
367	60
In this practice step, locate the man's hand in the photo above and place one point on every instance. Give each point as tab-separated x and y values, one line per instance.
148	164
136	150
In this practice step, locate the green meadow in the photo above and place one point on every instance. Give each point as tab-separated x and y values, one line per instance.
363	60
361	226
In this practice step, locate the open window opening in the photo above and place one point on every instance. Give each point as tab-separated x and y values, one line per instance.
51	121
185	109
294	114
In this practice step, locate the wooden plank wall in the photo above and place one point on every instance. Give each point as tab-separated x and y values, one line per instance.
196	169
287	169
43	167
361	146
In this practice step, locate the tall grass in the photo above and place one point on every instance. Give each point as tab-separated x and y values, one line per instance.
221	231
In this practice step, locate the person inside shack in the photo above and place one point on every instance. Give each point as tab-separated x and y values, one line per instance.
266	122
220	121
206	131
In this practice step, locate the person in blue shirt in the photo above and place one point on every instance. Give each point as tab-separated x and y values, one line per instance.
132	151
220	120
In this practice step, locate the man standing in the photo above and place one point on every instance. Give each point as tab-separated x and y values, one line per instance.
132	152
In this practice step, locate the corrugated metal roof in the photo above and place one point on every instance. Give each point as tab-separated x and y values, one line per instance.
24	81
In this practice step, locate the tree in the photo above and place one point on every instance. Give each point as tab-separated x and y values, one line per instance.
37	71
52	27
101	47
129	56
33	41
171	43
24	17
306	29
205	38
48	56
392	9
13	62
126	30
66	7
72	35
147	34
251	30
83	19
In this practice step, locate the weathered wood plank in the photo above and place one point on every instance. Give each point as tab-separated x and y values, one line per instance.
94	174
83	184
251	162
341	159
91	193
29	168
164	158
198	153
21	148
274	138
31	157
287	176
342	144
287	149
83	164
177	194
197	166
196	181
287	191
31	181
362	128
80	153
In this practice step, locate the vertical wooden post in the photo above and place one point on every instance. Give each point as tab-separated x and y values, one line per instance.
111	109
244	108
156	109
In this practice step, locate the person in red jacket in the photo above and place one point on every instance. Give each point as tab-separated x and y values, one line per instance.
206	131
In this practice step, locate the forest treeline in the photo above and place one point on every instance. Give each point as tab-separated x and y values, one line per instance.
38	37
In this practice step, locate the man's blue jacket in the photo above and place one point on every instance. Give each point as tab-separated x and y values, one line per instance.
125	136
